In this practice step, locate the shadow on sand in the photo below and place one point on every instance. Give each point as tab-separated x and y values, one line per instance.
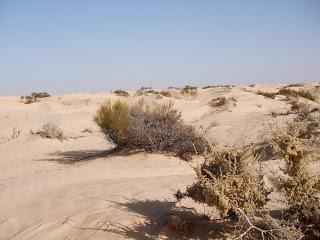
70	157
160	219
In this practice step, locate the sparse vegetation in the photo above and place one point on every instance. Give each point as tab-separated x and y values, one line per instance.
221	101
34	97
165	93
218	86
267	94
301	93
50	130
158	128
217	102
121	93
189	90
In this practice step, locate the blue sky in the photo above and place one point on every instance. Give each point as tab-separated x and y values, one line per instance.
66	46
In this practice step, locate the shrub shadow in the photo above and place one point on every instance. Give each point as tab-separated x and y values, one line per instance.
156	223
71	157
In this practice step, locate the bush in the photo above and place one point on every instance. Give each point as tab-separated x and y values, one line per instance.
294	93
217	102
34	97
267	94
165	94
227	180
157	128
298	146
189	90
51	131
121	93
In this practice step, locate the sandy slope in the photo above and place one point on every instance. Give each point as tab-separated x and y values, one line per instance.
76	189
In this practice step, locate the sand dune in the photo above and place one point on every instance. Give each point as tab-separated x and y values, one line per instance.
78	189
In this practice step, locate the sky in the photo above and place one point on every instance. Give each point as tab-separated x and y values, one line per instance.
66	46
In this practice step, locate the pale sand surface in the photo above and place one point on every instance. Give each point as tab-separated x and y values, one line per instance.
77	189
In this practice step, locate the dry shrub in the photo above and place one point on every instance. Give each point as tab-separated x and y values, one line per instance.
267	94
50	130
121	93
165	93
218	86
298	146
221	101
34	97
264	227
301	93
157	128
189	90
228	181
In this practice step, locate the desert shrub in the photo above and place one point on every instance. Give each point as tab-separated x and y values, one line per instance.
298	146
217	86
267	94
294	93
113	119
264	227
227	180
165	93
157	128
121	93
50	130
217	102
295	85
146	90
34	97
40	95
189	90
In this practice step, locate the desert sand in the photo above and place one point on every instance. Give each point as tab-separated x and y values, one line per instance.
79	189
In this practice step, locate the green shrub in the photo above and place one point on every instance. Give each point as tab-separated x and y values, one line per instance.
158	128
294	93
267	94
121	93
189	90
40	95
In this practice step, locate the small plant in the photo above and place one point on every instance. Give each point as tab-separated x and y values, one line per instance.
121	93
267	94
157	128
40	95
294	93
189	90
50	130
295	85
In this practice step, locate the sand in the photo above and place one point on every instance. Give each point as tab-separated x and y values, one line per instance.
79	189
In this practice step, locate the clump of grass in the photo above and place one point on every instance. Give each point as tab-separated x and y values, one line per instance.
157	128
267	94
301	93
189	90
298	146
34	97
295	85
121	93
227	180
51	131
